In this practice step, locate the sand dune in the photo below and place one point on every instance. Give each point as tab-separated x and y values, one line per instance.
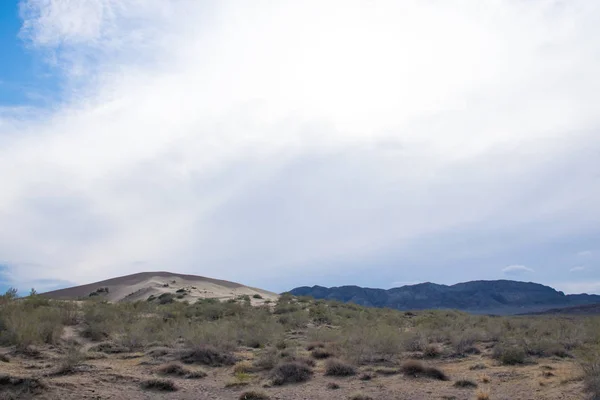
143	285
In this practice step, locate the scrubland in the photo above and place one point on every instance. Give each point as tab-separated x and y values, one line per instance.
294	348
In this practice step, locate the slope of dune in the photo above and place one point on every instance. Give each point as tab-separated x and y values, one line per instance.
145	284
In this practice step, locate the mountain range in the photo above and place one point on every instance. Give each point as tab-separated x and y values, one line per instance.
501	297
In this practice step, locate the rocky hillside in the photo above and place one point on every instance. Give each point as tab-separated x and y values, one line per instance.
493	297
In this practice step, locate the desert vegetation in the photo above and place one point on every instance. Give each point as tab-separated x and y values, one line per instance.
233	349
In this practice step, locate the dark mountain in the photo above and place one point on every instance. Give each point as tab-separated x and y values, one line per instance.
482	297
586	309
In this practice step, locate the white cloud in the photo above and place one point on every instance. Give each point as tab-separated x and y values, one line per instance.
233	136
590	287
585	253
577	269
516	270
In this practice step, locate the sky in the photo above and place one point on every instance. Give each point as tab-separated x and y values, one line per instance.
281	144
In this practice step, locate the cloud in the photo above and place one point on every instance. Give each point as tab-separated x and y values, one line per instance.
577	269
585	253
226	138
516	270
578	287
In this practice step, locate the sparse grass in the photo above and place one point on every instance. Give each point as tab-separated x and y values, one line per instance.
482	395
334	367
160	385
291	372
333	386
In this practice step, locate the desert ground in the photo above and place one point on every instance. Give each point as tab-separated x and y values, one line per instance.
253	347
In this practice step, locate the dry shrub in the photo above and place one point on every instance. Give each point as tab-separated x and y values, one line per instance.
110	348
254	395
243	367
321	354
333	386
291	372
71	360
478	366
591	378
17	388
176	369
315	345
432	351
334	367
266	360
360	396
465	384
416	369
482	395
207	355
160	385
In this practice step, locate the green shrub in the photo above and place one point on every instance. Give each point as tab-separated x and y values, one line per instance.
509	355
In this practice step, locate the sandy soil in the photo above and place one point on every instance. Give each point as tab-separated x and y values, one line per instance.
141	286
119	376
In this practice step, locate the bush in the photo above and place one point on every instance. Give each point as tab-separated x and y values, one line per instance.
253	395
465	384
509	355
477	367
416	369
23	326
432	351
70	361
360	396
321	354
207	355
257	296
591	378
339	368
12	387
266	360
176	369
160	385
291	372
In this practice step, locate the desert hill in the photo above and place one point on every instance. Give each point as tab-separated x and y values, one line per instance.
145	285
502	297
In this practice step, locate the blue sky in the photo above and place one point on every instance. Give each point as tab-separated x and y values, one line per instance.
298	143
25	79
